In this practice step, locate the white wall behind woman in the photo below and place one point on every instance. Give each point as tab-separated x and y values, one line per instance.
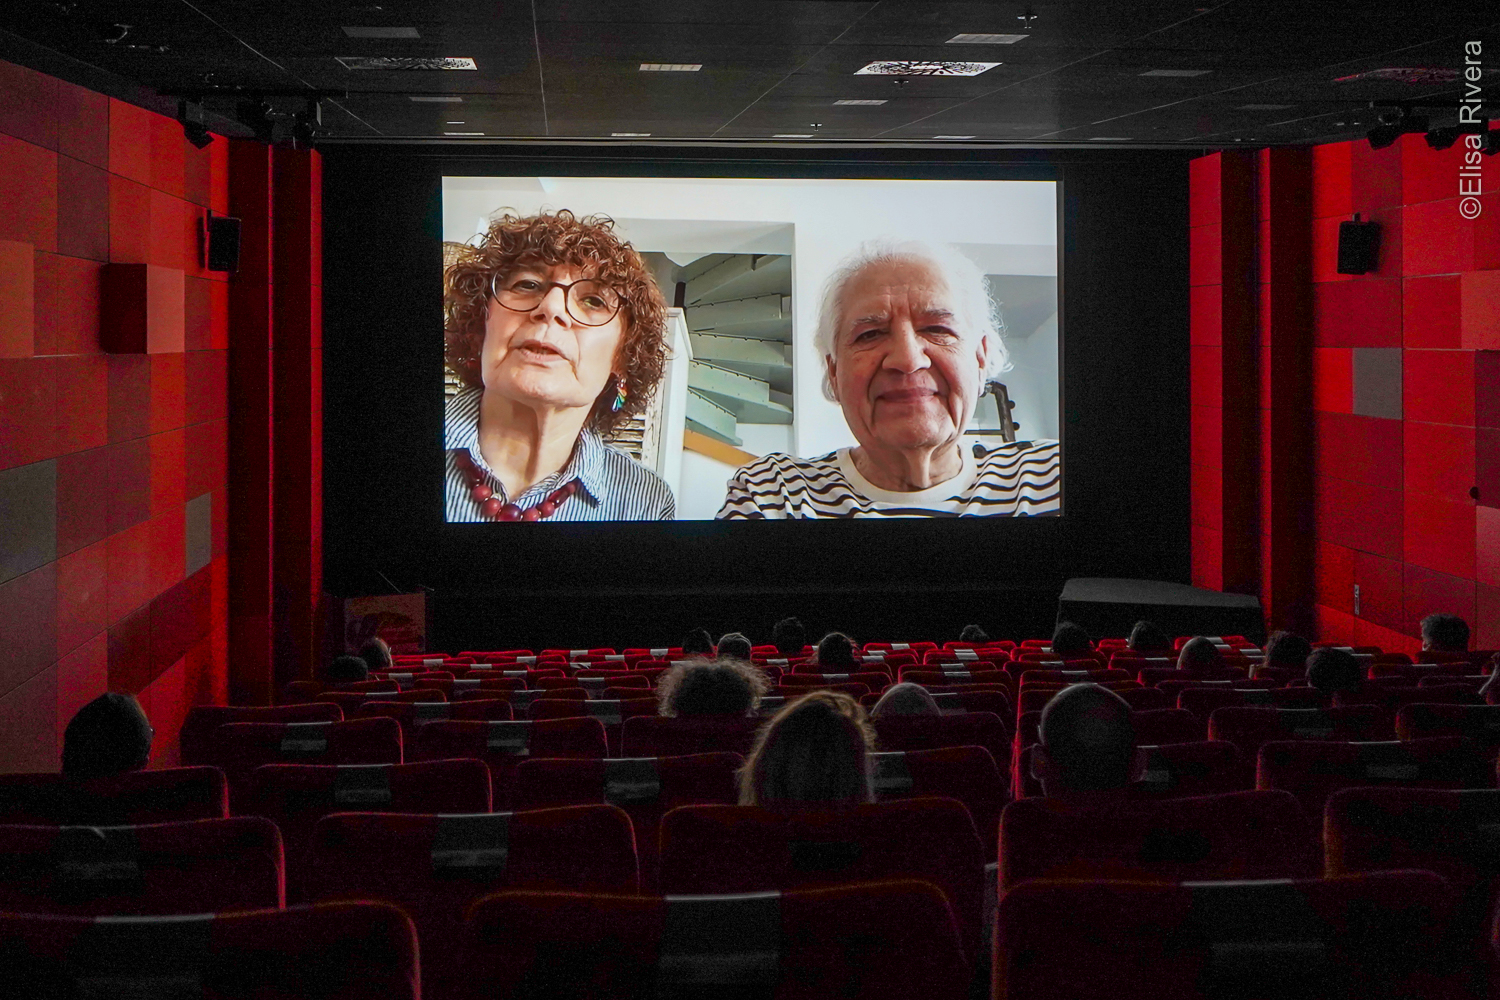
831	218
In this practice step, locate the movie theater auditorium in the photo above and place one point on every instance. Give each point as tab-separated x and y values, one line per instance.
1285	788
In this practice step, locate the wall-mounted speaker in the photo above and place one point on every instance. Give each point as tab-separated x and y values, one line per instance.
223	243
1359	246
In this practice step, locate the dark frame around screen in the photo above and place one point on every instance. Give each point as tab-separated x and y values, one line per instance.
1123	305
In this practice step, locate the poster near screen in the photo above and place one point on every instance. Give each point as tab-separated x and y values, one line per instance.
694	348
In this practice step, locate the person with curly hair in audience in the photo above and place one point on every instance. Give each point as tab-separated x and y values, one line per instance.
836	654
711	687
975	635
816	750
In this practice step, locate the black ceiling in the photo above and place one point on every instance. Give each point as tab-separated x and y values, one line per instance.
570	69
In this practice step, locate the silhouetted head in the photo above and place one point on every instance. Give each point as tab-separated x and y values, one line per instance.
815	750
346	670
974	634
734	646
836	650
905	698
788	636
1289	651
711	687
1199	655
1087	742
110	735
1070	642
376	654
1145	637
1445	634
698	643
1333	670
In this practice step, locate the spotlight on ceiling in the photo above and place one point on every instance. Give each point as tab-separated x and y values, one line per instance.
190	117
1394	123
256	116
1442	138
307	124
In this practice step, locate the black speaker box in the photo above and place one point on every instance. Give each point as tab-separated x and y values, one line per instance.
224	243
1359	246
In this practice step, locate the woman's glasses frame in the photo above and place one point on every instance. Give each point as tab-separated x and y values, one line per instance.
533	300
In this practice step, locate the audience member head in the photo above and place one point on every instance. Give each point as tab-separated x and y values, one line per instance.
1145	637
815	750
711	687
1087	742
346	670
110	735
698	643
1445	634
376	654
1333	670
836	650
1289	651
1070	642
974	634
1199	655
734	646
788	636
905	698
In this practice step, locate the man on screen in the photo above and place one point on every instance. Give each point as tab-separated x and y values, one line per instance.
909	337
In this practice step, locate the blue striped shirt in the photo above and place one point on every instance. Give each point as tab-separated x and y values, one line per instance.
615	486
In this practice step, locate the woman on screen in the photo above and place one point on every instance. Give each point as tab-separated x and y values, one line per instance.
909	337
558	334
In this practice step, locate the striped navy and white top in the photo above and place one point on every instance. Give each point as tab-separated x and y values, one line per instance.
615	486
1013	480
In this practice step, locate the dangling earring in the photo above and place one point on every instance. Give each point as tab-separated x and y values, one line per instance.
620	394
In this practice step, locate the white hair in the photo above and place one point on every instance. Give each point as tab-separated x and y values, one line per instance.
978	315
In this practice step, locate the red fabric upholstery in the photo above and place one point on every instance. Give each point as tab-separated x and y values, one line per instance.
1314	771
204	719
350	701
1087	676
1202	701
726	849
1244	835
240	747
200	866
1144	699
612	712
932	732
1150	676
888	941
434	867
965	675
872	679
166	796
1173	771
503	745
1367	936
1481	723
663	736
1175	686
340	951
646	788
968	774
1251	727
1167	725
853	690
413	714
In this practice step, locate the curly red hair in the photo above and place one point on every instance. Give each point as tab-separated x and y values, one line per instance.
559	239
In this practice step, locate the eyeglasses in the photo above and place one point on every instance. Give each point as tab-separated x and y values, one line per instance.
587	300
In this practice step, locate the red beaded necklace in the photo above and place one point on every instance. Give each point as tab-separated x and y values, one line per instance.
491	506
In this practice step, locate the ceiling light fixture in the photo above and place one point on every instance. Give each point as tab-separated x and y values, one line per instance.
307	124
455	123
1394	123
463	133
928	67
630	135
1176	72
1442	138
403	63
434	99
256	116
792	135
982	38
378	32
190	117
856	104
1109	138
671	67
953	137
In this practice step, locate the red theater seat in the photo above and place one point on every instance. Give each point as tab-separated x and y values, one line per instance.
968	774
1167	725
891	941
1314	771
872	679
1366	936
664	736
240	747
645	787
1250	728
1173	771
166	796
350	701
412	714
1243	835
1480	723
610	712
200	866
933	732
202	720
503	745
733	849
1202	701
1144	699
434	867
336	951
963	676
